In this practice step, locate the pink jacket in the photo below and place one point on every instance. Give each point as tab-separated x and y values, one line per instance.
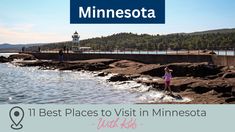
167	76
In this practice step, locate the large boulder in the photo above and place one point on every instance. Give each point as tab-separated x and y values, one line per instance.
230	100
204	86
102	74
4	59
95	66
186	69
229	75
118	77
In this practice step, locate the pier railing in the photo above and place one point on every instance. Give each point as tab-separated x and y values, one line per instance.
151	52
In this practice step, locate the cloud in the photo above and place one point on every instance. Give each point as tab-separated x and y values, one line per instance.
25	34
23	27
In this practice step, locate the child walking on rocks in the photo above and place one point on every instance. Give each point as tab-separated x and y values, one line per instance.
167	77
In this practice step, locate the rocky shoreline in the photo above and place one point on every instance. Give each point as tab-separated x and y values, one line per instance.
203	83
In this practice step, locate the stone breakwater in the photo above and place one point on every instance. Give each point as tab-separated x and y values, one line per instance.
203	83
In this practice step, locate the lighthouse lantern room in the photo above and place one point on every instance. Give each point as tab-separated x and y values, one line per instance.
75	37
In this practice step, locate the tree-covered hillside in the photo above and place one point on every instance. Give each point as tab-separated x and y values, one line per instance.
215	39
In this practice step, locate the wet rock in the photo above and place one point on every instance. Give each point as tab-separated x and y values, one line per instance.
118	77
233	94
229	75
219	86
212	77
4	59
134	76
22	56
200	87
226	94
220	74
230	100
233	91
102	74
178	97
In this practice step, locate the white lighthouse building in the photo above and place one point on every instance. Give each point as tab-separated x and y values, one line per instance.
76	47
76	37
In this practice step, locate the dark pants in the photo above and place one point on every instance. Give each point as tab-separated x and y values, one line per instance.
61	58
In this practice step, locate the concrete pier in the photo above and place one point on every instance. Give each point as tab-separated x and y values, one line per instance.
144	58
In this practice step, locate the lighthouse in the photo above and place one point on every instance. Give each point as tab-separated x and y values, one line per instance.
75	37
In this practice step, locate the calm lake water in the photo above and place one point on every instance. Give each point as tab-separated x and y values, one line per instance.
28	85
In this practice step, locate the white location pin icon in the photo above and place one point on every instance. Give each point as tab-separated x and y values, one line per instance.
16	115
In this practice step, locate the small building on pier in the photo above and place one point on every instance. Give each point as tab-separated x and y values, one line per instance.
76	46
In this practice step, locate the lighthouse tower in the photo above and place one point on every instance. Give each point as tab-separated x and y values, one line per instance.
75	37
